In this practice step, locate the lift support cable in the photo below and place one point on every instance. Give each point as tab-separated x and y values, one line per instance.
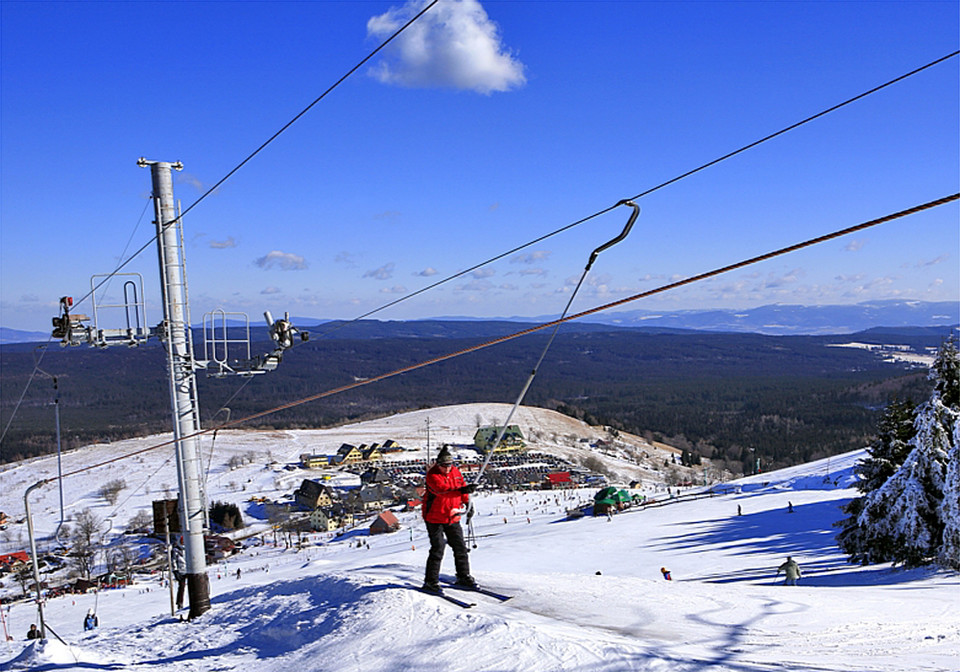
502	339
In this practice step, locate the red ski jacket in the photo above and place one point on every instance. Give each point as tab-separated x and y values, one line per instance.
443	495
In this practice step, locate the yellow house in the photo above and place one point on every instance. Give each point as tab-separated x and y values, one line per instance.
314	461
348	453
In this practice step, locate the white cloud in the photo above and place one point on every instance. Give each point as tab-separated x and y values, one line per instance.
481	273
455	44
475	286
223	244
427	272
286	261
533	271
396	289
270	290
348	258
850	278
385	272
777	281
933	262
531	258
854	245
192	180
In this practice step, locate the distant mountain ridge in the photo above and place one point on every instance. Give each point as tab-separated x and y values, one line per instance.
770	320
783	319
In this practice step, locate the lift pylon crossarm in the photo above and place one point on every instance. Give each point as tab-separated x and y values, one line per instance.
229	353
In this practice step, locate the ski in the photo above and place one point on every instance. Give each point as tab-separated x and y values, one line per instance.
479	589
463	604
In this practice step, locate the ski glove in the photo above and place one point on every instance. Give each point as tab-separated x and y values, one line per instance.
468	488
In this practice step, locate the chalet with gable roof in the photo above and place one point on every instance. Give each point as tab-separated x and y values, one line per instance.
348	453
391	446
312	495
13	561
375	497
372	453
375	475
385	522
512	439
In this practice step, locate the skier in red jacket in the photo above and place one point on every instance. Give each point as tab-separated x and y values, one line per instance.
445	497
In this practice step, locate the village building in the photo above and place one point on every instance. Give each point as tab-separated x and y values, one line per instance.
341	516
308	461
391	446
512	439
372	453
385	522
348	453
311	495
375	475
322	521
559	480
375	497
13	561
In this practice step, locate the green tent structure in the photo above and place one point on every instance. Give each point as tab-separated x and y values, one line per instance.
610	499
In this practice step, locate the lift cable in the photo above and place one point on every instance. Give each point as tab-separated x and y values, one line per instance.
553	335
50	338
641	194
267	142
524	332
36	368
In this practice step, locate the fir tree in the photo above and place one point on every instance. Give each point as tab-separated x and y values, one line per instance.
947	387
911	518
885	456
950	507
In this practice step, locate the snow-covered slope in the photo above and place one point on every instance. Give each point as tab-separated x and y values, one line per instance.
587	593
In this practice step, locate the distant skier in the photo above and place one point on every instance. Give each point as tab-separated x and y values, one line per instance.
91	622
739	510
33	633
791	571
789	507
446	492
238	573
666	573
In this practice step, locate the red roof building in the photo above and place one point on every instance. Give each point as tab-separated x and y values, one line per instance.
385	522
558	480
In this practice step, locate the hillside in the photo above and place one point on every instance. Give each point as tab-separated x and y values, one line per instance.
587	593
733	396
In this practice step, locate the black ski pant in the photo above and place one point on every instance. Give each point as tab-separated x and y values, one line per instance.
440	536
181	584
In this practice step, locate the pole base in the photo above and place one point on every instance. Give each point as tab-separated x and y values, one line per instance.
198	588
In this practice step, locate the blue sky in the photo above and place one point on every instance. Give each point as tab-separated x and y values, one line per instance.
493	124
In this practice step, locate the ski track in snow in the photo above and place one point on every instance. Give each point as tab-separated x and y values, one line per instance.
586	594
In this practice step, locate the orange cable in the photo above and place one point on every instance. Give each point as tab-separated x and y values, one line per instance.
524	332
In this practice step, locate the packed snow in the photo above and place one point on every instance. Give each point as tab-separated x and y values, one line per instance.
587	593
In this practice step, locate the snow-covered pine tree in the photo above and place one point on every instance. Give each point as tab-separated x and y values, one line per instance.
950	507
948	387
885	456
904	517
